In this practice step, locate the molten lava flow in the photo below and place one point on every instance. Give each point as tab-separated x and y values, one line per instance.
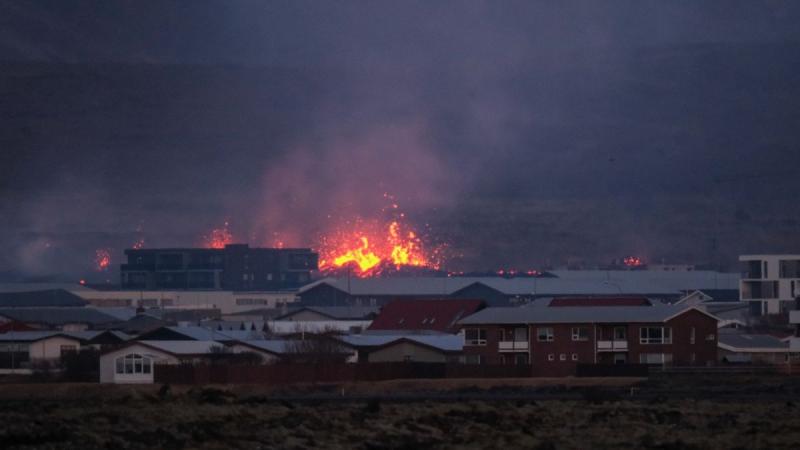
102	259
219	237
370	249
633	261
139	244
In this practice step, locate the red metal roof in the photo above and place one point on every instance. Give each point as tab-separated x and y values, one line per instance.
600	301
434	315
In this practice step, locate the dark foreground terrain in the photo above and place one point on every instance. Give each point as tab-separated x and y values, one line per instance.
743	413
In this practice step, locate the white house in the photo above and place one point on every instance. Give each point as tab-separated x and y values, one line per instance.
770	282
134	362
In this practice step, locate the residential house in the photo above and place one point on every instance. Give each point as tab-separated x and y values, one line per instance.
133	363
437	348
739	347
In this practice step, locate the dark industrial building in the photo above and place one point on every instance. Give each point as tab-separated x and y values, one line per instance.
237	267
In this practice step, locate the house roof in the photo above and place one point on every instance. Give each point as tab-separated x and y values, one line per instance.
599	301
49	297
588	314
584	282
206	334
58	316
276	346
33	336
335	312
672	280
181	347
750	343
443	342
439	315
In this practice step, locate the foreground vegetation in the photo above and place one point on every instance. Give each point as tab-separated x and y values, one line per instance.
92	416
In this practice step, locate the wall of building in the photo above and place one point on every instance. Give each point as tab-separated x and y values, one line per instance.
406	351
227	302
50	348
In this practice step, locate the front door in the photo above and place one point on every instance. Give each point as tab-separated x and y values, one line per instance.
620	358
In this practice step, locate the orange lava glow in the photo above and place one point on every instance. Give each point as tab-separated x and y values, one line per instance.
219	238
102	259
369	249
633	261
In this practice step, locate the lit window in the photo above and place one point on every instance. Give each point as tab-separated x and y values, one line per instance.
574	356
562	357
551	357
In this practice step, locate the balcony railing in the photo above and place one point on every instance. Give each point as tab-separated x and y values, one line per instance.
513	346
612	346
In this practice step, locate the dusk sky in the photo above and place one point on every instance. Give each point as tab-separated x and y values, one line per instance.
522	134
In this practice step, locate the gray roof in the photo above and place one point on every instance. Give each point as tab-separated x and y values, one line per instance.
58	316
183	347
337	312
591	314
587	282
50	297
32	336
206	334
444	342
277	346
750	342
30	287
675	280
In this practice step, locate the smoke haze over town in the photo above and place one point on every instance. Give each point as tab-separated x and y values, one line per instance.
527	135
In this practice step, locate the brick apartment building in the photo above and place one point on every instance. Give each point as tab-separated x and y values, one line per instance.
555	340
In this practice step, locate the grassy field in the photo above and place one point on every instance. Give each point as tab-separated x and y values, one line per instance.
94	416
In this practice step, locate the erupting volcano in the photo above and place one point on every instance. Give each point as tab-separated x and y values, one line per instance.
371	248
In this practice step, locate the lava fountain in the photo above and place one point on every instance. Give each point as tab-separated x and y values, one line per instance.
370	248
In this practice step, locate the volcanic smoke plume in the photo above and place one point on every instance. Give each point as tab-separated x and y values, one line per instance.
344	198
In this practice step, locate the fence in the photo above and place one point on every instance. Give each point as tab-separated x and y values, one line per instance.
280	374
612	370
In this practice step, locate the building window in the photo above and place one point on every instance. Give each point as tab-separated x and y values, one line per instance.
521	359
580	334
655	335
551	357
574	356
655	358
620	333
693	358
475	336
133	363
562	357
710	337
544	334
691	335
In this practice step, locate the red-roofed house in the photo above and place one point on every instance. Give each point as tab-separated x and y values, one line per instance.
425	315
600	301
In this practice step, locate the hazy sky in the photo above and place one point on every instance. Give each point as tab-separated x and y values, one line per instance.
607	124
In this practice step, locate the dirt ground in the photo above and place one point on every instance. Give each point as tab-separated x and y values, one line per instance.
88	416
